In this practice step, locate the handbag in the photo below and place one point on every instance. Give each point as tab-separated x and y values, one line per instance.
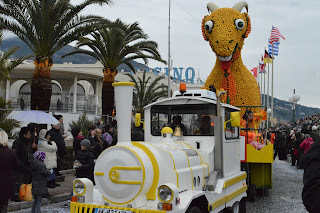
25	192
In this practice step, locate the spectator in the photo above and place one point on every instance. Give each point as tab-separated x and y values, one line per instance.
59	105
34	135
306	144
86	159
279	145
100	124
62	130
8	162
39	180
56	136
91	133
98	148
77	138
314	134
107	137
22	103
50	148
310	162
24	153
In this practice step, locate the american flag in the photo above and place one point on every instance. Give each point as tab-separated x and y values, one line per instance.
275	35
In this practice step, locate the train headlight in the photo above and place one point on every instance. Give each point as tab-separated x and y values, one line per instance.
165	194
79	187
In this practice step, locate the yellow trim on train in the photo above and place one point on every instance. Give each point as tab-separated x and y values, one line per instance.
234	180
143	170
187	159
99	173
226	198
174	164
83	207
152	193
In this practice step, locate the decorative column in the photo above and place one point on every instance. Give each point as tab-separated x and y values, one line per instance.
75	87
97	94
8	90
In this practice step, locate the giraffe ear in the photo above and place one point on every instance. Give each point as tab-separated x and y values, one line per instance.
248	25
204	29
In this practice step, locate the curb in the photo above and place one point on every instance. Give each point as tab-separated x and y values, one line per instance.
15	206
68	171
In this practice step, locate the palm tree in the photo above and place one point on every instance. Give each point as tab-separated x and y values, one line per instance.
6	123
117	44
46	26
147	91
7	64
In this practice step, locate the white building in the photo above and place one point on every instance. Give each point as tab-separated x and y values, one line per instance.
87	77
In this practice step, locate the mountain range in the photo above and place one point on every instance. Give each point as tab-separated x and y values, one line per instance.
75	59
282	109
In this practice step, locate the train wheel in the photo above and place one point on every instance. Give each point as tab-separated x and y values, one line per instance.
193	209
252	193
234	209
243	205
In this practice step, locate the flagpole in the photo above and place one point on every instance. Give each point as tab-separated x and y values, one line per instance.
169	54
272	124
268	91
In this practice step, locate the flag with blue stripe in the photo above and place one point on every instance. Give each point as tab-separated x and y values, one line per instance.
275	48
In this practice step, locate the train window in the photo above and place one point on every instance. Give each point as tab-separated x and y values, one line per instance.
193	119
230	132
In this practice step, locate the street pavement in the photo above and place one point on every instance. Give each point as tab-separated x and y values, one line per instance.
285	196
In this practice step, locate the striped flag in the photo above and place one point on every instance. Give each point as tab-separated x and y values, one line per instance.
275	48
275	35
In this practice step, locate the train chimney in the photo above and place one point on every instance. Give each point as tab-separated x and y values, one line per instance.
123	92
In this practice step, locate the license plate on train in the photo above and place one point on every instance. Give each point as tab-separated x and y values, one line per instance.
111	211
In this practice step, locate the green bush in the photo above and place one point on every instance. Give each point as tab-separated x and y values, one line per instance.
7	124
82	123
69	158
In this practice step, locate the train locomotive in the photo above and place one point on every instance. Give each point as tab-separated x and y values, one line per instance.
188	162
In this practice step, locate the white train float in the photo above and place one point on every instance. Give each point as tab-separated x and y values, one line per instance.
195	168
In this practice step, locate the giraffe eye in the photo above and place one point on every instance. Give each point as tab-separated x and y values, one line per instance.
209	25
239	24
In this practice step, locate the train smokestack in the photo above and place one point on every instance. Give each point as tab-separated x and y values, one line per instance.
123	93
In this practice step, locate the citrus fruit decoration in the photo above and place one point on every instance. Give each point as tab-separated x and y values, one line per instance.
225	29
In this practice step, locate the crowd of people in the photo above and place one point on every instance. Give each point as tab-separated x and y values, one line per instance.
37	156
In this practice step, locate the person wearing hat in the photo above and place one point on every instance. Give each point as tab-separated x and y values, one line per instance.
8	162
306	144
107	137
314	134
86	159
57	137
40	174
50	148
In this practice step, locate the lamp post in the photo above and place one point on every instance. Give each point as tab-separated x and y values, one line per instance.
268	117
293	100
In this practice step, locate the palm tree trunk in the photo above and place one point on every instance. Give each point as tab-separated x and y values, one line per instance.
41	87
108	91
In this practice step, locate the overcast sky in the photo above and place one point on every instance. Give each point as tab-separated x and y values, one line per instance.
298	21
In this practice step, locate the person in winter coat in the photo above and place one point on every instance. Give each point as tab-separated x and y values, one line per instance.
91	133
39	180
310	162
107	137
24	153
77	138
56	136
8	162
98	147
306	144
314	134
86	159
34	135
279	145
50	148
